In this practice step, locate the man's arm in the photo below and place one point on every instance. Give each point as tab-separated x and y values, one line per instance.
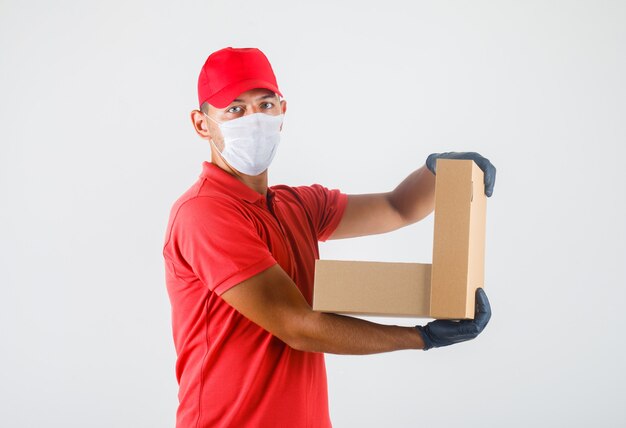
370	214
408	203
272	300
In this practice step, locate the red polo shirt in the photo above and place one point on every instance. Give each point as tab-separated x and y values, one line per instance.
231	372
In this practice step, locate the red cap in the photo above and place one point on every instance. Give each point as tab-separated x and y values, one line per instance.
232	71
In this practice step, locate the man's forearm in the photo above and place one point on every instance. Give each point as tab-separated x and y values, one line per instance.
414	197
337	334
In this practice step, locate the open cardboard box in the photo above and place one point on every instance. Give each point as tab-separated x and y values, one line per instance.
444	289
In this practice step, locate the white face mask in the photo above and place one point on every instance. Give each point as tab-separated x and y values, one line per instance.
250	141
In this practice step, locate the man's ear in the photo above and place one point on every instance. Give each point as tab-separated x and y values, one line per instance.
283	109
199	124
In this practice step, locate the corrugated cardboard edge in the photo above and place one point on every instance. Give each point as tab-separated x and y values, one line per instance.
478	228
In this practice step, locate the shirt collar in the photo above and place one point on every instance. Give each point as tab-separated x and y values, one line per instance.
231	184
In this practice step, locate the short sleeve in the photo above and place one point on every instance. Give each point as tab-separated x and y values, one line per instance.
218	243
324	206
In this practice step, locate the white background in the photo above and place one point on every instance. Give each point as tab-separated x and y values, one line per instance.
96	144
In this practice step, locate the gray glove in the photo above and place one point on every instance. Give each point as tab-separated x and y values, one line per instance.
446	332
483	163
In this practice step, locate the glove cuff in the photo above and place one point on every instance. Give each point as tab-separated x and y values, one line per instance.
428	343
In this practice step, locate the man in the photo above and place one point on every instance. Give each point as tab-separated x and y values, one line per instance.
240	256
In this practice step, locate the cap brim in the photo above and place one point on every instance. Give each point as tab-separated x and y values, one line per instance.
226	95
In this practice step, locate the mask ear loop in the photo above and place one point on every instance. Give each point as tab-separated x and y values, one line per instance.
211	119
211	139
212	142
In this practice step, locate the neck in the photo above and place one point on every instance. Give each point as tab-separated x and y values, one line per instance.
258	183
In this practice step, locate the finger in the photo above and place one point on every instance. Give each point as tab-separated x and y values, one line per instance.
482	312
431	163
490	179
489	172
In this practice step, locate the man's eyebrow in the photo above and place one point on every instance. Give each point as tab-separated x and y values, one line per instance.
237	100
264	97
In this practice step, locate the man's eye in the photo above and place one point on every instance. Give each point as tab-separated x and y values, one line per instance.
235	109
267	106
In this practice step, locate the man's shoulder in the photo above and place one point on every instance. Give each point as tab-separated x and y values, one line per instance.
297	189
300	193
202	196
199	205
191	194
202	200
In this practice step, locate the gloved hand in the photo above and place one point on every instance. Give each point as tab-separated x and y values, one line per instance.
447	332
483	163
